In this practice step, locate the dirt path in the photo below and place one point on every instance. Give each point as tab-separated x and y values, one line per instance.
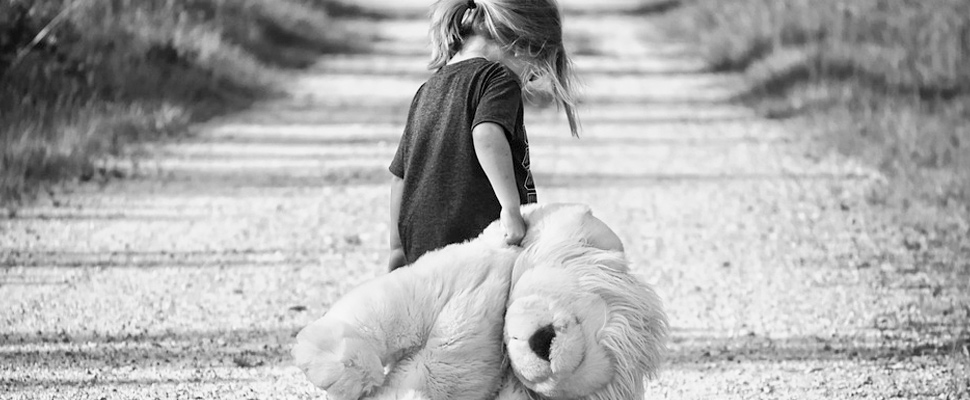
784	276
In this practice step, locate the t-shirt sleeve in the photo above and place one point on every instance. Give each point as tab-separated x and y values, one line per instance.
500	100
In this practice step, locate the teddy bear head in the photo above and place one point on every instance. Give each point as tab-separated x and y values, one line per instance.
579	325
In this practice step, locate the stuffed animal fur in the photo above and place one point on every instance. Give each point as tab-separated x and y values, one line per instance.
560	317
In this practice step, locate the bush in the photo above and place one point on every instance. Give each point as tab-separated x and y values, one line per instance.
887	79
81	79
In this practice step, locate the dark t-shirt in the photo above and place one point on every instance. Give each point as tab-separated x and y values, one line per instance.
447	196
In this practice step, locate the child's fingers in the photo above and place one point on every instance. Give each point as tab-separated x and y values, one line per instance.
514	227
513	237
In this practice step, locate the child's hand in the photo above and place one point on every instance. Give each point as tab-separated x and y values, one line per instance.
514	226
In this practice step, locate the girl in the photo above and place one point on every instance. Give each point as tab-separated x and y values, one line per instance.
463	160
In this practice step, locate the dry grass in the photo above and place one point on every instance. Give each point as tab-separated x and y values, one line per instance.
80	79
887	80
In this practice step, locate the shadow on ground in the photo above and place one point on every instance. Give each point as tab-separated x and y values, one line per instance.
256	348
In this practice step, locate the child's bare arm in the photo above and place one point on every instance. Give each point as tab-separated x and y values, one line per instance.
396	258
495	156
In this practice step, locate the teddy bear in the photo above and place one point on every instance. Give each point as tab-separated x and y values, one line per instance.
559	317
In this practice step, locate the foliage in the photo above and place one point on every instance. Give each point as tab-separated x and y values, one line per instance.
80	79
888	79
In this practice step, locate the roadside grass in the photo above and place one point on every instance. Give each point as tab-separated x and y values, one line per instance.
883	80
81	81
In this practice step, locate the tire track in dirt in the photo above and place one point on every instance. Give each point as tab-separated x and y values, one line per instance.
781	279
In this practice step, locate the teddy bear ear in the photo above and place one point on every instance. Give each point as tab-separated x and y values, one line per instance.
553	224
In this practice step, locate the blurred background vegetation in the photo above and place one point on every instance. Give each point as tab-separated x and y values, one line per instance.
81	79
884	80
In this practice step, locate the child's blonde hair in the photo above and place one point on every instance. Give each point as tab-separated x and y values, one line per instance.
524	27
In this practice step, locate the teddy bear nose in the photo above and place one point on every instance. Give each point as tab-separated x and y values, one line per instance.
541	341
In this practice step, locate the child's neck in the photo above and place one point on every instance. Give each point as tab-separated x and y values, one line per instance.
480	47
476	47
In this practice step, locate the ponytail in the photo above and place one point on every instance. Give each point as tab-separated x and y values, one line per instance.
451	22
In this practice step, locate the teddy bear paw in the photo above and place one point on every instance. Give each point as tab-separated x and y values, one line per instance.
361	373
347	368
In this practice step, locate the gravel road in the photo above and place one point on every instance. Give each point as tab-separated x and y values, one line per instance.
785	271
